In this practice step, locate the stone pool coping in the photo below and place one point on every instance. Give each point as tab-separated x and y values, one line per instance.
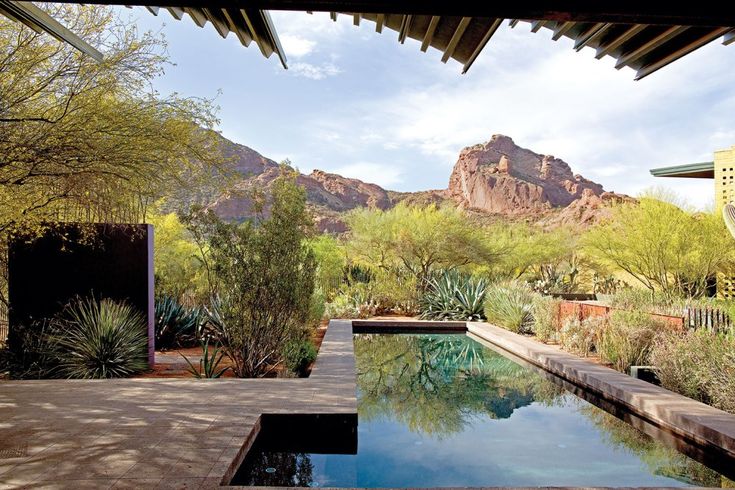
689	418
187	433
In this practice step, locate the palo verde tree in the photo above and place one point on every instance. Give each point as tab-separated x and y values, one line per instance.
419	239
82	140
664	246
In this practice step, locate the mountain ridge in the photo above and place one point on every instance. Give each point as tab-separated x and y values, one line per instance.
496	178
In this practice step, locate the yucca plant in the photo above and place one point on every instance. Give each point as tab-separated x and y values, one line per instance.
209	362
510	306
105	339
451	295
176	325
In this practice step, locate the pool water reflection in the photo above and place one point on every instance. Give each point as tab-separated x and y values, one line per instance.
444	411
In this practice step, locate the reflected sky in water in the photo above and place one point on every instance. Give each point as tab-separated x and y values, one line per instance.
442	410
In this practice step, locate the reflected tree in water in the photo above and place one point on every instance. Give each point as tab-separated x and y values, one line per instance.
661	460
435	384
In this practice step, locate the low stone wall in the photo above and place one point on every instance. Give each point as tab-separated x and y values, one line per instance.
584	309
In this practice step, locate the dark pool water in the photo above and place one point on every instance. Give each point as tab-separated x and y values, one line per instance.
444	411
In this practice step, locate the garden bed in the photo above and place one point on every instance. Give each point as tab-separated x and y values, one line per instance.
171	364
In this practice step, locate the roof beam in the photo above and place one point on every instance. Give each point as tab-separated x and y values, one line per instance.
513	22
702	13
429	36
618	41
197	16
356	19
219	25
38	20
379	23
490	31
458	33
649	46
153	10
590	34
233	19
405	26
537	24
561	29
729	38
176	12
684	50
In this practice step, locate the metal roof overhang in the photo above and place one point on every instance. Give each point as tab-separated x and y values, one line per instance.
645	36
702	170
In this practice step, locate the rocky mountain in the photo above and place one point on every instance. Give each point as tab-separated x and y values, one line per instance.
497	178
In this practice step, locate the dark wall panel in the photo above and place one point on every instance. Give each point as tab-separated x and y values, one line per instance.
106	260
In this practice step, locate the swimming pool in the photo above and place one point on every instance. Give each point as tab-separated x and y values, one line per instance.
442	410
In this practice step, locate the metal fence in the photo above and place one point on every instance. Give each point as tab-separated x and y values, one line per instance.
713	319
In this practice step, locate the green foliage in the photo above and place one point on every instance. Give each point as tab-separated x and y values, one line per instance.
331	262
32	355
179	265
627	339
418	239
263	274
104	339
176	325
697	364
546	320
208	363
92	141
452	295
580	337
384	293
298	356
667	249
510	306
527	248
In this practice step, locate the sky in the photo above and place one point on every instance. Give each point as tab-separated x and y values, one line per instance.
360	104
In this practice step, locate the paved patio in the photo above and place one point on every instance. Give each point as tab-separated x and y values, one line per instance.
156	433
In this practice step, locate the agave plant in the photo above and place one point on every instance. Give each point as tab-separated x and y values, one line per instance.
510	306
105	339
176	325
209	362
451	295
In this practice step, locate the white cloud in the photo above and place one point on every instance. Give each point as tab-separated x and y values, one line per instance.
297	46
374	173
556	101
314	72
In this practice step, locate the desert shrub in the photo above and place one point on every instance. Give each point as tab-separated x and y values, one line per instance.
546	322
451	295
176	325
298	355
698	364
342	306
264	275
580	336
384	293
510	305
627	339
105	339
31	355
